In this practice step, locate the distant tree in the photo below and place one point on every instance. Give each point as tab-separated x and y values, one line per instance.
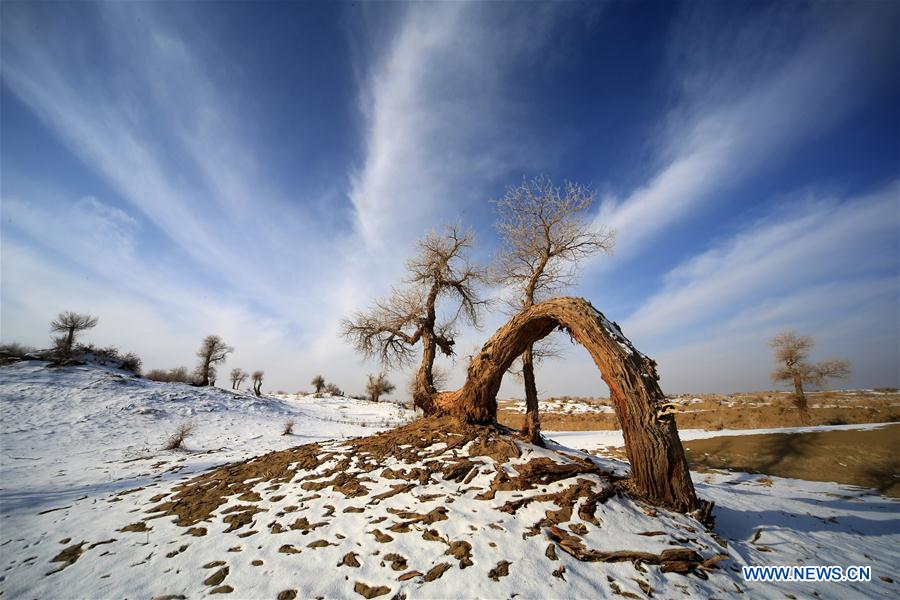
319	383
212	351
333	390
791	354
378	385
70	324
234	376
212	375
256	380
546	231
392	327
237	377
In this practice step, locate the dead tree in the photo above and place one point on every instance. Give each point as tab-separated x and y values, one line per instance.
659	469
256	381
70	324
392	327
791	354
212	351
546	231
378	385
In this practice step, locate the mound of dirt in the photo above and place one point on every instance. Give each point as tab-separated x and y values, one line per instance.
422	485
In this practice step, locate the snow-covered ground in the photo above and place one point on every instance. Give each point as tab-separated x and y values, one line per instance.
595	440
560	405
81	459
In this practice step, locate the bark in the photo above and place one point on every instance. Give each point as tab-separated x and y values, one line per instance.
205	373
659	470
532	426
423	397
800	400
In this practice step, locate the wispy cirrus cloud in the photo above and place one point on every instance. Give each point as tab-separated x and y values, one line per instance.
749	91
825	266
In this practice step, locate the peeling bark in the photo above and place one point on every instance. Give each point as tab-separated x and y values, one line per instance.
532	427
659	470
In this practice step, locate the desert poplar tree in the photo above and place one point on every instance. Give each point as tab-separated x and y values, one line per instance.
391	328
70	324
791	354
237	376
546	230
256	381
212	351
318	382
377	386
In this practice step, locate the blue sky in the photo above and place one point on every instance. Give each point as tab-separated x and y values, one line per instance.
261	170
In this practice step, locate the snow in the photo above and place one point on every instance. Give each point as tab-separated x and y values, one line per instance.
559	405
78	441
593	440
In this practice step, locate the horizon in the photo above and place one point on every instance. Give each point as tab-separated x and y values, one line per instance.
260	172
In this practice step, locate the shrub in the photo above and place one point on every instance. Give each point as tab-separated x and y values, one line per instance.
176	375
288	427
177	439
14	352
132	362
333	390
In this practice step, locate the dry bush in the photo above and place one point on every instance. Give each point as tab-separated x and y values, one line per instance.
288	427
176	375
132	362
333	390
177	439
14	352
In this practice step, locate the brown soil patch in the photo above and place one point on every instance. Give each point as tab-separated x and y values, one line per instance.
501	570
867	458
753	410
67	556
437	571
368	591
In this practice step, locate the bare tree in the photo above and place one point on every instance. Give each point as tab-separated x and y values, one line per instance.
546	231
791	354
392	327
378	385
70	324
256	380
237	376
212	351
319	383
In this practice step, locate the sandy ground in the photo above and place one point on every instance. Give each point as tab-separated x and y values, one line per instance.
746	410
867	458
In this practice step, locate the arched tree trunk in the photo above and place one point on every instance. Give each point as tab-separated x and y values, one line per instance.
659	470
531	429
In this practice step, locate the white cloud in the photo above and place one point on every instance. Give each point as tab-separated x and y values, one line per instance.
745	106
792	248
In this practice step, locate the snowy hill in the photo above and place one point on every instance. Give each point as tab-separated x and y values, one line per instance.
90	507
